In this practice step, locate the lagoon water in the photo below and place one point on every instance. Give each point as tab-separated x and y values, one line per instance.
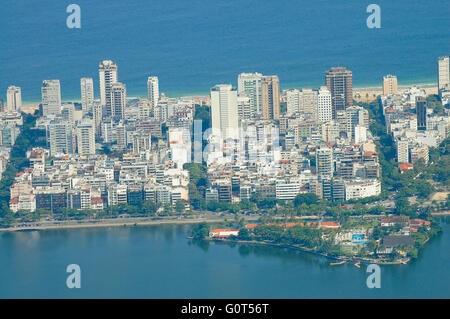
160	262
193	45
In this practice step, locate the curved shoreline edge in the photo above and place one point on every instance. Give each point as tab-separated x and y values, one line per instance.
309	251
128	222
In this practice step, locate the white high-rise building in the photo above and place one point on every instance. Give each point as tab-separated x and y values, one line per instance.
118	100
308	103
14	98
360	134
293	101
324	106
108	76
224	110
402	151
87	94
249	84
356	189
153	90
324	163
86	138
61	138
51	97
68	113
443	73
121	135
355	115
244	108
145	109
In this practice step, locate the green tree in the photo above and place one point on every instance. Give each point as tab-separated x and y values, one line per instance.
200	231
179	206
244	234
308	199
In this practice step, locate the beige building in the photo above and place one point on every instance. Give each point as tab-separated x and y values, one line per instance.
270	91
443	72
390	84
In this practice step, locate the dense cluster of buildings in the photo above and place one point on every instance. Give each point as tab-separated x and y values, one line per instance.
320	144
10	122
414	126
262	141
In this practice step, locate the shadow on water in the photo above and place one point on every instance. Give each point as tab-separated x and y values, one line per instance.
285	254
202	244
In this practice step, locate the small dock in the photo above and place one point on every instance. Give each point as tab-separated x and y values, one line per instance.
338	263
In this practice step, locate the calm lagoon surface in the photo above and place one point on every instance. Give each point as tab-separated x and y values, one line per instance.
160	262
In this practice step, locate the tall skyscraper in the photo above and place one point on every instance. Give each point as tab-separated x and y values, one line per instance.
402	151
355	116
145	109
14	98
97	115
87	94
61	138
118	100
108	76
224	110
293	101
68	113
339	83
86	138
153	90
324	108
308	103
390	85
443	73
121	134
249	84
421	111
270	94
324	163
244	108
51	97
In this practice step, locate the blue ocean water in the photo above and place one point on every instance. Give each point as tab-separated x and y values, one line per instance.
193	45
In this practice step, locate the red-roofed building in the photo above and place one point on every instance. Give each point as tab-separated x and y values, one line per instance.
387	222
405	166
330	225
14	204
96	203
223	232
417	223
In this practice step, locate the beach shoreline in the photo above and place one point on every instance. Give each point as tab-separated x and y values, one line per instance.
427	85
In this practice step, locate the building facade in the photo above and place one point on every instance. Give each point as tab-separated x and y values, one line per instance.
339	83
